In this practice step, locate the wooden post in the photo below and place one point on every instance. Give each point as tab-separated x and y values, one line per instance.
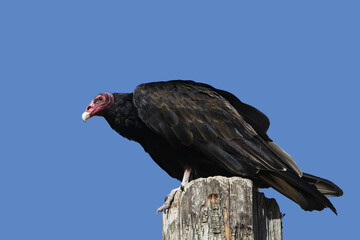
222	208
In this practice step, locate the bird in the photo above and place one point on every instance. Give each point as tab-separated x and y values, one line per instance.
194	130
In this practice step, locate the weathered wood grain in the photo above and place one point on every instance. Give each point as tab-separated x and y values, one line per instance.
220	208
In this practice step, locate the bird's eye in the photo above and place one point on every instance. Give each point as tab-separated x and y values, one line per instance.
100	99
95	101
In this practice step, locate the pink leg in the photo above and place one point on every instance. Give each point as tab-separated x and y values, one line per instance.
186	176
170	197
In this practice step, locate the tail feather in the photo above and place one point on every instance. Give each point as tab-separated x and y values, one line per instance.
326	187
298	189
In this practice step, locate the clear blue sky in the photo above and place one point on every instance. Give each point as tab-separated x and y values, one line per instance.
63	179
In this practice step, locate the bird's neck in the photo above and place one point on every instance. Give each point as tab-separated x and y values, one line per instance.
123	117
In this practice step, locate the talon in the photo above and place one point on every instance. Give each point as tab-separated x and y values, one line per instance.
168	201
170	198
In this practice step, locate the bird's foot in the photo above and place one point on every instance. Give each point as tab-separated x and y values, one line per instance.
169	199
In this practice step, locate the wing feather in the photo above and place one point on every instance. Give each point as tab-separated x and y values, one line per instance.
190	114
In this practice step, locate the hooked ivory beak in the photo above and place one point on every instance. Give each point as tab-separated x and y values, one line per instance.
85	116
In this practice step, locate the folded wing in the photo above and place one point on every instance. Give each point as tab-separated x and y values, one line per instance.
192	114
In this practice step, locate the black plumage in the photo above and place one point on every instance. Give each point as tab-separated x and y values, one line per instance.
185	124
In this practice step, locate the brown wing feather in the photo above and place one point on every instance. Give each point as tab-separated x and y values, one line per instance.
187	114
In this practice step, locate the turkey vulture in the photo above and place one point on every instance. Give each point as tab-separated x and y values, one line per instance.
194	130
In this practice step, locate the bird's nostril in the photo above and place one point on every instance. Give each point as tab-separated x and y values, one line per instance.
88	108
